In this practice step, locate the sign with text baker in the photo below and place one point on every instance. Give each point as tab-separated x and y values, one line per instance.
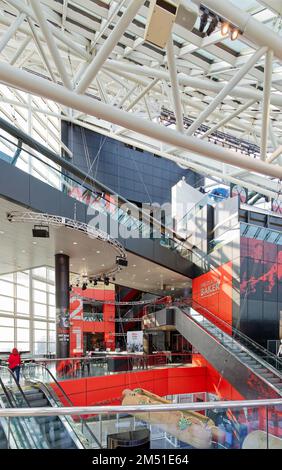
213	291
135	341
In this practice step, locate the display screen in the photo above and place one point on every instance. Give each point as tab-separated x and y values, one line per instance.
260	289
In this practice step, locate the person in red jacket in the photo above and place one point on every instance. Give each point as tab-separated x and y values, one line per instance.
15	363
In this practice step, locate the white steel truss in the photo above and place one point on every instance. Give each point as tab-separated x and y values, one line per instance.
61	50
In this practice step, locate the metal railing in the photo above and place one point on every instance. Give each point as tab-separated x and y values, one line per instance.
250	423
273	361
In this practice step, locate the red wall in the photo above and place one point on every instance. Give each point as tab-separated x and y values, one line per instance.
213	290
108	389
107	326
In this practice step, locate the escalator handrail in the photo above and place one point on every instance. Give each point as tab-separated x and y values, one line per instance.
237	333
265	364
66	397
21	392
17	384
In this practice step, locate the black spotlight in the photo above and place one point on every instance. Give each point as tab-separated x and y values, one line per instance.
121	261
204	20
106	281
114	278
95	282
84	286
213	24
40	231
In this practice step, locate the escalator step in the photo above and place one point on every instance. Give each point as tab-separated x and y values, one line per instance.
3	444
38	403
46	419
64	443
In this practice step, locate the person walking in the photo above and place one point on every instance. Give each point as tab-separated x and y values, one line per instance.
14	362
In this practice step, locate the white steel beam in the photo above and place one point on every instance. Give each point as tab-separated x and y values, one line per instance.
5	38
178	112
252	29
275	154
193	82
38	11
228	118
23	80
142	93
20	50
266	103
62	36
226	90
108	46
41	50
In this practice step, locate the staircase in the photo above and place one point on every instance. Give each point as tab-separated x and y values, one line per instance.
51	427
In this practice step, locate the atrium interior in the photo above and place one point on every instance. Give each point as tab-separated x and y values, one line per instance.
140	224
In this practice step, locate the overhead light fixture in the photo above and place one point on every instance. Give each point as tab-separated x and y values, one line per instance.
234	34
95	282
213	24
106	281
40	231
225	28
204	20
84	286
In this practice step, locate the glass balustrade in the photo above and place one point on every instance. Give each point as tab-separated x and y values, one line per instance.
122	212
146	421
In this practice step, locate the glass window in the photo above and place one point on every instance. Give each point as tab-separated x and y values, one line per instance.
40	272
22	292
40	348
7	277
7	333
39	296
23	347
7	288
40	335
23	334
39	285
51	275
6	322
39	310
40	325
52	326
52	348
52	336
22	323
23	307
6	347
23	279
6	303
52	312
51	299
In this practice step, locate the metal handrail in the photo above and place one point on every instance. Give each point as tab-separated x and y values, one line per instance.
16	383
66	397
237	332
88	410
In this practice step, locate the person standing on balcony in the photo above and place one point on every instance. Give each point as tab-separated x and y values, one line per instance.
14	362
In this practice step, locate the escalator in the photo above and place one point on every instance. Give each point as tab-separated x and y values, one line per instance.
35	432
255	375
61	432
51	427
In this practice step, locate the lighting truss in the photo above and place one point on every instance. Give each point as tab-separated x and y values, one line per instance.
62	222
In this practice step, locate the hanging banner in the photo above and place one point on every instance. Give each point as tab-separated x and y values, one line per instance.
135	341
